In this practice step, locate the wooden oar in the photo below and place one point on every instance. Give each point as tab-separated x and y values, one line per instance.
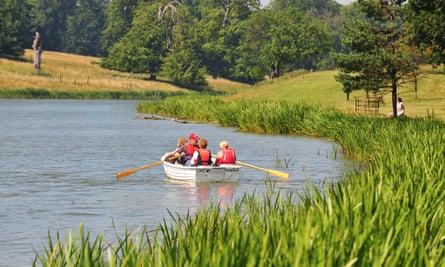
129	172
272	172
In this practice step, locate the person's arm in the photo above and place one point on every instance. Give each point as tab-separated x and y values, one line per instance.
194	160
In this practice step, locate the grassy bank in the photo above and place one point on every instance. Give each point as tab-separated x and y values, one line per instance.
389	214
73	76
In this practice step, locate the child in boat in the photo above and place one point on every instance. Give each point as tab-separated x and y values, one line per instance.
202	156
190	148
178	155
226	155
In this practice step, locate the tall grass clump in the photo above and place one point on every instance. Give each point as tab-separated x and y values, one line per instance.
392	213
79	94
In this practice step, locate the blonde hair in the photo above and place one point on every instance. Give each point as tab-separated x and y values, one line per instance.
223	143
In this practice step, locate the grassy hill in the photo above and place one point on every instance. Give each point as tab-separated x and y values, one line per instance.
68	72
321	88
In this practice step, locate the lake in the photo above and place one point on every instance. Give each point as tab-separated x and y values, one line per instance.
59	159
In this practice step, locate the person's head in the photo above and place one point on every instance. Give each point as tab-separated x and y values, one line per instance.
202	143
37	34
182	141
399	99
193	139
224	144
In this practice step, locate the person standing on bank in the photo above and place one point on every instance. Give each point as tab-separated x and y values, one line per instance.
37	46
226	155
400	108
203	156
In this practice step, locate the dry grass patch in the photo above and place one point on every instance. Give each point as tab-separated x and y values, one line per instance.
68	72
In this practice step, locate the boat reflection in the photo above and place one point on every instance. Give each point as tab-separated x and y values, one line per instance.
204	193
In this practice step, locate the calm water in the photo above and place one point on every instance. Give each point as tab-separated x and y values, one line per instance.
59	159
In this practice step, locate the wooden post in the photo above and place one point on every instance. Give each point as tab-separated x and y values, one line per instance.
37	46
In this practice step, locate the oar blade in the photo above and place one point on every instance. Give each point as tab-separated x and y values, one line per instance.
278	174
129	172
269	171
124	174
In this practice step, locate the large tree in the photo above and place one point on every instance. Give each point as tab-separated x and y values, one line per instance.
218	21
84	28
380	57
50	19
182	63
118	18
284	39
142	48
427	21
15	35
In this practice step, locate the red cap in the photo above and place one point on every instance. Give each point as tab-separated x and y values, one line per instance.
193	136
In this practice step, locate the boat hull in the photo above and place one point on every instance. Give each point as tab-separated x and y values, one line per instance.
224	173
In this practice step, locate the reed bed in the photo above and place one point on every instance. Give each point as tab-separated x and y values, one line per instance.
391	213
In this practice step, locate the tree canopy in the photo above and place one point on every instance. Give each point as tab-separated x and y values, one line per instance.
380	57
186	40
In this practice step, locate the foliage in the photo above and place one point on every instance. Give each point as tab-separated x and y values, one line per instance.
14	34
182	64
118	17
426	19
50	19
141	49
84	28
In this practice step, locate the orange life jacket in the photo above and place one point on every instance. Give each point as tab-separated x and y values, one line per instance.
227	156
204	157
189	150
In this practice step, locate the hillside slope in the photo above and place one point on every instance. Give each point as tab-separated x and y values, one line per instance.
69	72
321	88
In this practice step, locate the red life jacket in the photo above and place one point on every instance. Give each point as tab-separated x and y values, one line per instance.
189	150
204	157
227	156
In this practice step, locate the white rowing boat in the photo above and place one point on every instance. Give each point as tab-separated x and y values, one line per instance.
223	173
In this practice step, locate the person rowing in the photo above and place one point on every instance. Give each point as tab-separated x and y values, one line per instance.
226	155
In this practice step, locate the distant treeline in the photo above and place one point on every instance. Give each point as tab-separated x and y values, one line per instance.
186	40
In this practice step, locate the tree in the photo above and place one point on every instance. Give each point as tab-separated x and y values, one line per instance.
118	18
217	31
141	49
50	19
15	34
84	28
427	21
285	38
380	56
182	63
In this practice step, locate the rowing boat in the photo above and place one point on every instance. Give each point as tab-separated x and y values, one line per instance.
223	173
